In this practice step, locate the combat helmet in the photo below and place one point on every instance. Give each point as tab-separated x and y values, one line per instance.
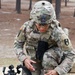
43	12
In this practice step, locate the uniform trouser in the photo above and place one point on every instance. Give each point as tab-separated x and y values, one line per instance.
51	59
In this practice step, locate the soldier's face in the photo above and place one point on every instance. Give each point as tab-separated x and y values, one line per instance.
42	28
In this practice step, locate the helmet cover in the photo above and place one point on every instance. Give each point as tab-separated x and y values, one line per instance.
43	12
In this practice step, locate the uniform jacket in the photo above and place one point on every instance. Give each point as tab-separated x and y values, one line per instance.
28	37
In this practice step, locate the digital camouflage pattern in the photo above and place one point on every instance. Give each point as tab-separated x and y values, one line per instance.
60	54
40	8
58	41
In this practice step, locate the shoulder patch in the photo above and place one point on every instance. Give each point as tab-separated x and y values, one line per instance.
22	27
66	41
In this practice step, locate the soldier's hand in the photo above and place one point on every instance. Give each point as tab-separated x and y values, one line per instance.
51	72
28	63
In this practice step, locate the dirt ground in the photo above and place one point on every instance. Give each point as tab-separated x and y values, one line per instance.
10	22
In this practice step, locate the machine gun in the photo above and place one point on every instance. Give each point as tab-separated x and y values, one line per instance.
12	72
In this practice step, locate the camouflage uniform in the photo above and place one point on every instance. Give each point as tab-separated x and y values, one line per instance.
60	53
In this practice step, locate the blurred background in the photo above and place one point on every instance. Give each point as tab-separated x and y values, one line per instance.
13	13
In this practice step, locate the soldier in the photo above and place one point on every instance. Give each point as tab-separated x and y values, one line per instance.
48	49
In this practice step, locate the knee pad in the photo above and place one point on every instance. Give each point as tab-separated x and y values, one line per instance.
49	61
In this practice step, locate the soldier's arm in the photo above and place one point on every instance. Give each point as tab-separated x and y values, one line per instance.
19	43
66	46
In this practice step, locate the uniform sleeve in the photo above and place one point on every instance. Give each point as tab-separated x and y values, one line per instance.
64	43
19	43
